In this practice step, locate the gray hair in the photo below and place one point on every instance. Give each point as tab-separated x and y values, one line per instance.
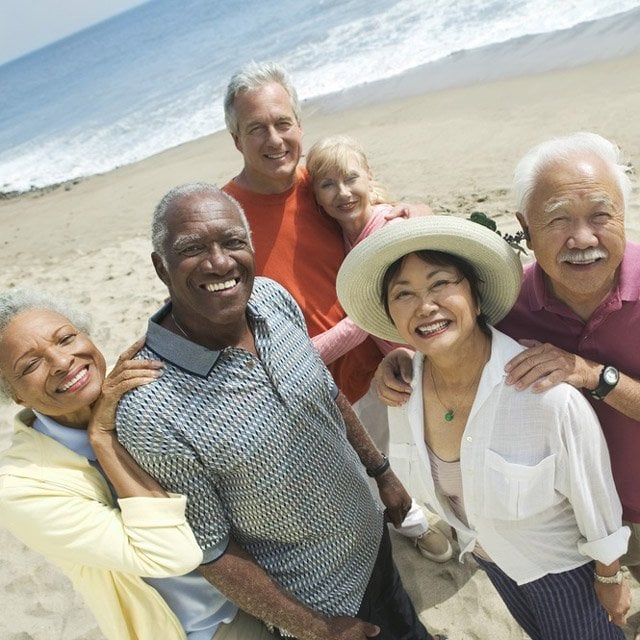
255	75
159	230
565	148
15	301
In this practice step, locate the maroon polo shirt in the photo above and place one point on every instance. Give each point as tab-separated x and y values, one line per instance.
610	336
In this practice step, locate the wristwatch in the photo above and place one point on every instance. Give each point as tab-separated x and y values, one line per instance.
616	578
609	377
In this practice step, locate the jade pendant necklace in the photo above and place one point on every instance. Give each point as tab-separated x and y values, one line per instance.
450	413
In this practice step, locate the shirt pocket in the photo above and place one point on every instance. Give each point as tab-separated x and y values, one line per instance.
516	491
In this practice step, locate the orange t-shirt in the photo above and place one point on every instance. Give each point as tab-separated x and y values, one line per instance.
302	248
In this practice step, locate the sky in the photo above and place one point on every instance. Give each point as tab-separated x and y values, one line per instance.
26	25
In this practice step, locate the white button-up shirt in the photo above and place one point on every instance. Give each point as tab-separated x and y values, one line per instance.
536	478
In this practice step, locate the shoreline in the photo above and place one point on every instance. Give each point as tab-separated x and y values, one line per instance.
454	149
451	149
526	55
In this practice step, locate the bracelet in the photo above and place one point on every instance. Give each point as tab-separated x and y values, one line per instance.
616	578
380	469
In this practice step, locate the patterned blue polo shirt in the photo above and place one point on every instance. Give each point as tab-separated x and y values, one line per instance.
259	447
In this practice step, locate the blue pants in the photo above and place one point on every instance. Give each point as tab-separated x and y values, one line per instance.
386	603
558	606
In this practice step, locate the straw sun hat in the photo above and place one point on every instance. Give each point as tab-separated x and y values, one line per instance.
360	277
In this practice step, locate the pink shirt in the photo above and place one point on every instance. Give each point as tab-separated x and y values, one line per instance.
345	335
610	336
376	221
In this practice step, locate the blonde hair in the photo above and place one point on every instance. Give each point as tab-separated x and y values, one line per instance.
333	153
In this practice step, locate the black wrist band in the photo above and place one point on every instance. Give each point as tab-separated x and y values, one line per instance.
380	469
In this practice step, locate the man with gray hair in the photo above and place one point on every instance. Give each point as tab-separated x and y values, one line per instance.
578	310
296	245
299	246
248	424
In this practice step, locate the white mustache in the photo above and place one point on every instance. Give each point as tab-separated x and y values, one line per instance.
583	256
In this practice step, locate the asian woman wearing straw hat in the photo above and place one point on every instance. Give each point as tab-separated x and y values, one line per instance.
523	478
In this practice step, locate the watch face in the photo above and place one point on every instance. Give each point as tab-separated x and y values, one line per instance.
610	375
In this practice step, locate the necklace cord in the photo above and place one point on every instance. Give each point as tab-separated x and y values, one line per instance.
451	412
184	333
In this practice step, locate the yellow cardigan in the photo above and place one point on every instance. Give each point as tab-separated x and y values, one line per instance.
55	502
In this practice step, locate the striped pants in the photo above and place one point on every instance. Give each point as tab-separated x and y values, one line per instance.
558	606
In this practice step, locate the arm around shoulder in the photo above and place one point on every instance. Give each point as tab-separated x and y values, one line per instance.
70	520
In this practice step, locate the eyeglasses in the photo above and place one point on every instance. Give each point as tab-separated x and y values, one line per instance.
436	291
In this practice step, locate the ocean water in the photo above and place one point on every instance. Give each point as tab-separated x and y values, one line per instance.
154	77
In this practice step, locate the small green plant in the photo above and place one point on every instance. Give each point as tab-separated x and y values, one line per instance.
513	240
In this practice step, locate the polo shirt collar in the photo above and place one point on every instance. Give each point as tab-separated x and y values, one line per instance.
187	355
75	439
538	297
628	287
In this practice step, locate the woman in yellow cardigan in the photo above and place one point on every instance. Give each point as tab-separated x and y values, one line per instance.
70	491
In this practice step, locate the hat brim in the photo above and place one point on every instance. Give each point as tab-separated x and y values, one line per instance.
360	277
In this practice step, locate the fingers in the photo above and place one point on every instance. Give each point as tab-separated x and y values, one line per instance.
535	350
538	378
616	601
397	515
141	369
125	384
527	342
140	372
127	375
131	367
391	397
539	368
104	410
131	351
394	497
125	360
406	370
398	211
405	511
618	619
126	368
393	378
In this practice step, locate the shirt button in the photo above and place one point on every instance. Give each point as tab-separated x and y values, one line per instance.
469	439
251	364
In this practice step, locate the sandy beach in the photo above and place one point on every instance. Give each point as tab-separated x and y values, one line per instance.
454	149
